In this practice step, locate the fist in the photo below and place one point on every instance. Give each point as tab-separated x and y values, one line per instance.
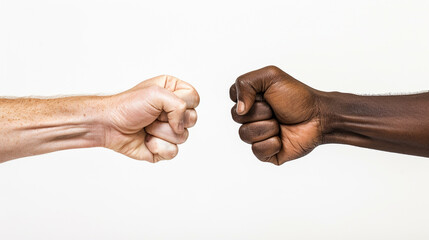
280	115
148	121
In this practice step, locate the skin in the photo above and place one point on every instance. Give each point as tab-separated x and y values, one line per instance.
145	123
285	119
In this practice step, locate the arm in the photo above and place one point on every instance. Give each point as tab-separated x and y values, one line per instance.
36	126
146	122
390	123
291	118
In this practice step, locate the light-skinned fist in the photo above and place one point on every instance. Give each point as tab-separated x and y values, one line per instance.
148	121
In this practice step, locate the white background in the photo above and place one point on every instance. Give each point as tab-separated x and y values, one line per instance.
215	188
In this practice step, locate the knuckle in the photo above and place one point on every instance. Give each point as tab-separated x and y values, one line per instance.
240	80
273	70
243	132
256	149
181	105
232	93
197	98
154	90
193	117
242	119
164	77
170	82
172	153
234	114
183	137
267	150
169	77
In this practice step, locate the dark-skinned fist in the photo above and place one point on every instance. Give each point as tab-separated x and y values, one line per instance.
280	116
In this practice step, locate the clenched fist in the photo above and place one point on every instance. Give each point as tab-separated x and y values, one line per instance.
285	119
280	115
148	121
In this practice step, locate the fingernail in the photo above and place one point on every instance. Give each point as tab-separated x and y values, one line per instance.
240	107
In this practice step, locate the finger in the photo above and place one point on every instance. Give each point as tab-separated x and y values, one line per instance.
190	117
233	94
180	88
175	107
164	131
259	111
259	131
252	83
162	150
267	149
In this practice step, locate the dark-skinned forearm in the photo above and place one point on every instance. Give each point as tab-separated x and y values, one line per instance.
391	123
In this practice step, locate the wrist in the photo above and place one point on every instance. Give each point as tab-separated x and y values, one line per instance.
92	117
334	107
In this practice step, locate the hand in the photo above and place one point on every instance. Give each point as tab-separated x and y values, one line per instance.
295	127
148	121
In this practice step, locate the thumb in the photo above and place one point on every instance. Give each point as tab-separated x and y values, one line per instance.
175	108
245	96
253	83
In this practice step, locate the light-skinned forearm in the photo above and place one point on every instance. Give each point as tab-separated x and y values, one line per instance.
30	126
391	123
